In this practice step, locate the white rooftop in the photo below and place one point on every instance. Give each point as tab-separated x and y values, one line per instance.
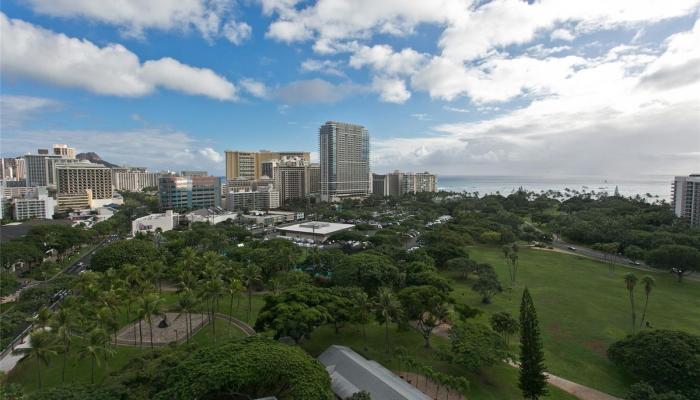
320	228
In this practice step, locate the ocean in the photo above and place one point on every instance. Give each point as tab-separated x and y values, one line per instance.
658	186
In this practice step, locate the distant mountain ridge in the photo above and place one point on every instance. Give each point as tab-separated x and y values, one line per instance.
94	158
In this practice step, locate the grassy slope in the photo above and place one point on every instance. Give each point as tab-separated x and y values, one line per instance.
582	309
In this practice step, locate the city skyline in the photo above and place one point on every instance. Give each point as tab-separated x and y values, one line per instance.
500	88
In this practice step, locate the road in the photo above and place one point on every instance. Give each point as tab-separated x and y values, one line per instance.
605	257
8	360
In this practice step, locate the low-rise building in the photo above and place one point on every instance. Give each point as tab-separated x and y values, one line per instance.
41	206
399	183
214	215
351	373
314	231
189	192
264	198
150	223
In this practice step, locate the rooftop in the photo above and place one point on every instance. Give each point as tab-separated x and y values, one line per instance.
351	373
317	227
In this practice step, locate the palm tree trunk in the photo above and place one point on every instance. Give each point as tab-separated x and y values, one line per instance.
644	313
38	371
364	335
150	328
230	313
386	335
250	304
634	315
140	335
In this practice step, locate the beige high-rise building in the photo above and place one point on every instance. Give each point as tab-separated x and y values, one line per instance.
399	183
76	177
344	156
63	150
249	164
296	182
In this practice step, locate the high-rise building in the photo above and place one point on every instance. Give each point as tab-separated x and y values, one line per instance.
37	168
295	181
11	168
63	150
189	192
81	200
76	177
344	156
249	164
686	198
37	205
399	183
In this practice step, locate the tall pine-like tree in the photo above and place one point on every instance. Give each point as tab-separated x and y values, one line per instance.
533	382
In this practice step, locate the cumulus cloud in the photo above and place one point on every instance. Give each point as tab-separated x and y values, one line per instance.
254	87
211	154
210	18
391	90
44	55
562	34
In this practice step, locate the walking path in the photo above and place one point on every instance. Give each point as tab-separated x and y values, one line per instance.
573	388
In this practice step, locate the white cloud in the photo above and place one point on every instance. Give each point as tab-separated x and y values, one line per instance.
16	110
236	32
211	154
255	88
41	54
211	18
383	58
562	34
329	67
391	90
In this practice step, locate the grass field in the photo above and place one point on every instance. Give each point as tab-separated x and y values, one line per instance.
582	309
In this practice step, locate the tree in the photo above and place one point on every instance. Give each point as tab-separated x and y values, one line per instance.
97	346
250	368
186	304
43	346
362	312
474	345
366	270
488	284
62	323
150	305
648	283
297	311
532	382
251	277
463	265
504	323
630	283
465	312
681	260
361	395
211	291
667	360
425	304
388	309
117	254
234	289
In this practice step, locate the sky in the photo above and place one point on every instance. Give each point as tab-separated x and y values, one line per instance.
454	87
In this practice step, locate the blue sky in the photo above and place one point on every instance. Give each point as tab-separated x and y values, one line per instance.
451	86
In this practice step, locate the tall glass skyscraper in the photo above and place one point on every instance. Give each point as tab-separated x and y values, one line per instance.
344	157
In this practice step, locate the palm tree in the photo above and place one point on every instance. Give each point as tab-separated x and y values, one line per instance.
62	322
630	283
251	276
234	289
211	292
363	310
388	308
41	319
156	270
189	259
42	347
151	305
648	283
188	281
186	304
97	346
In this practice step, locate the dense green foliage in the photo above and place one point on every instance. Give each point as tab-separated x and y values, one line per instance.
253	367
667	360
474	345
117	254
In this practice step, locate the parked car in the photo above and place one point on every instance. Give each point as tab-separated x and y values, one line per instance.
571	248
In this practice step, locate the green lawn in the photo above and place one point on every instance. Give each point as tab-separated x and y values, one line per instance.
499	382
582	309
